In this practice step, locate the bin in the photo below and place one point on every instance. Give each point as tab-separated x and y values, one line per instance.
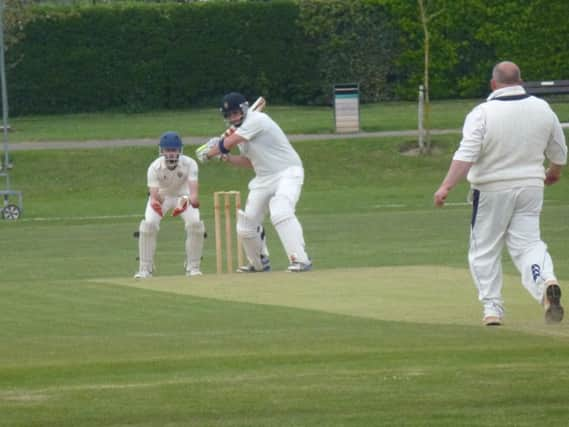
347	107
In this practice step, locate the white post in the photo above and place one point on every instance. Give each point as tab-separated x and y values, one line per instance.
420	117
6	159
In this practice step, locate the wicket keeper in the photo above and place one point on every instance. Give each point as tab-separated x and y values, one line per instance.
172	185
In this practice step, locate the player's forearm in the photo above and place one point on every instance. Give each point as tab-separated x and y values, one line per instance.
457	172
239	161
194	191
155	194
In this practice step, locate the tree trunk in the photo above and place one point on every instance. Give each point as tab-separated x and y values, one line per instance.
426	146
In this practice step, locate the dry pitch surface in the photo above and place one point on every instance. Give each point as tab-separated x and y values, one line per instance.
422	294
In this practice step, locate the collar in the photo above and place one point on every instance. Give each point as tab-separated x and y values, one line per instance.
507	91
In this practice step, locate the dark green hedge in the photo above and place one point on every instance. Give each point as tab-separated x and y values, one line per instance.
159	56
355	41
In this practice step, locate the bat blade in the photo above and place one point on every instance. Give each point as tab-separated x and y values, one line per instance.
259	104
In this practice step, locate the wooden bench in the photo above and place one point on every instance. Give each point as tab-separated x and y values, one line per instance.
547	87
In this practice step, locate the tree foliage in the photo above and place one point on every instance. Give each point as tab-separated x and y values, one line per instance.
354	41
470	36
16	15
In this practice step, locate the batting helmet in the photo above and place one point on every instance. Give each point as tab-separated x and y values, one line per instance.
233	101
171	148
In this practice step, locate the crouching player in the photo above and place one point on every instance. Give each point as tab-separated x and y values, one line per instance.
172	185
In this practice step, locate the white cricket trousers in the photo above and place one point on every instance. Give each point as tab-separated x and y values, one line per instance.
510	217
278	195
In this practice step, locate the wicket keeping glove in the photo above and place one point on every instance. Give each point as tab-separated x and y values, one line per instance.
155	204
182	205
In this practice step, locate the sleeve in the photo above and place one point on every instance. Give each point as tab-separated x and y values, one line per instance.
152	178
556	149
472	136
251	127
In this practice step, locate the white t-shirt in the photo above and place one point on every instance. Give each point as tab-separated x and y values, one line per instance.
172	182
508	140
267	147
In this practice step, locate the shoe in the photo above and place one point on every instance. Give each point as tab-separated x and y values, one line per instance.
194	272
299	267
492	321
143	275
552	304
250	269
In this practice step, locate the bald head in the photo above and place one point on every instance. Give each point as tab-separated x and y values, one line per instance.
506	73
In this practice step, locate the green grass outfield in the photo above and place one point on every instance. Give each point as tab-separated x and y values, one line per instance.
388	116
385	331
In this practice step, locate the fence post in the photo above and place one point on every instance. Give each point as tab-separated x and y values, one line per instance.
420	109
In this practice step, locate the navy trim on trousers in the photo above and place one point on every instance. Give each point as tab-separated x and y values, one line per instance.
475	200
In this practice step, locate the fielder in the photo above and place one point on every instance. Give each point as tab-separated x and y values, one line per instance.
276	187
172	184
504	145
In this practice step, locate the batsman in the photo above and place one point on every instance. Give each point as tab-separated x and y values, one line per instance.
276	187
172	185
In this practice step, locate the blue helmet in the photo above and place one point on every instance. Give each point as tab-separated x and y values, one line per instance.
170	148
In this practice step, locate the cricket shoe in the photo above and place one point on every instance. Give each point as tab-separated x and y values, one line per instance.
143	275
250	269
300	267
193	272
552	303
492	321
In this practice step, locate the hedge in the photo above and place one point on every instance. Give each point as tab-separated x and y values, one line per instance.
144	57
140	56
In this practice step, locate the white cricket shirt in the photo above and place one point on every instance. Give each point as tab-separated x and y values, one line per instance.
172	182
267	147
509	139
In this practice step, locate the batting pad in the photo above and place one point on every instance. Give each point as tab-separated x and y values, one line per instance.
251	240
290	233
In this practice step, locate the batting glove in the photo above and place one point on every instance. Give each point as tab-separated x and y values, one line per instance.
201	152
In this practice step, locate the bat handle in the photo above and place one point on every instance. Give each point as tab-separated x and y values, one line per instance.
228	132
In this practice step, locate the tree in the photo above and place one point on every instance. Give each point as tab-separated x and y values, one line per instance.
16	16
425	139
